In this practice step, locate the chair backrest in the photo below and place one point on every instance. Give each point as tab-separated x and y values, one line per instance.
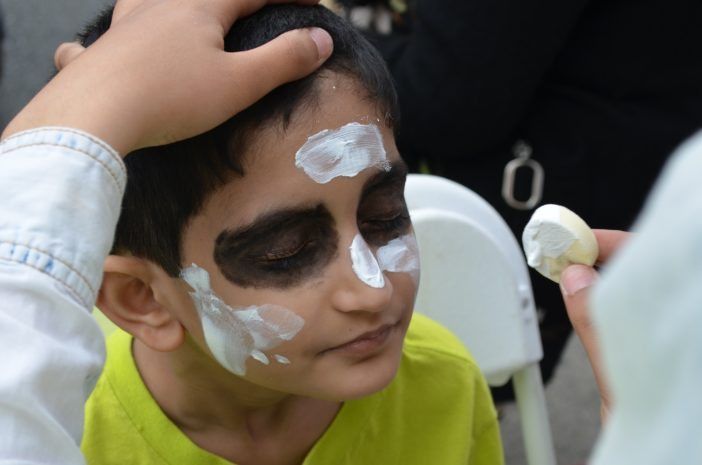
475	282
474	277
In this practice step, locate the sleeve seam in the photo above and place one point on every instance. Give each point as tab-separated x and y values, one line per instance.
74	293
104	145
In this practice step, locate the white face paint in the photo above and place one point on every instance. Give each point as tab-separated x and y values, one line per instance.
364	263
234	334
342	152
400	255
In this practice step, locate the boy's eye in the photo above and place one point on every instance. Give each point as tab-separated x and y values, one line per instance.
383	229
278	251
388	223
285	252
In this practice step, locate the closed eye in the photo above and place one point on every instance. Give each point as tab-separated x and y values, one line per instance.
285	253
396	222
380	231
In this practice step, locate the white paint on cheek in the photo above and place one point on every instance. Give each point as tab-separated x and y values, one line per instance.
342	152
234	334
365	264
260	356
400	255
282	360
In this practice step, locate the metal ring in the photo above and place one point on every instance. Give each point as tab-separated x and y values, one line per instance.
537	183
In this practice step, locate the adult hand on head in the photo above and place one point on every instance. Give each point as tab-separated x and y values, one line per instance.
576	281
160	74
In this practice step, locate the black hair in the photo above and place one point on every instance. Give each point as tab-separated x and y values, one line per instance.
168	185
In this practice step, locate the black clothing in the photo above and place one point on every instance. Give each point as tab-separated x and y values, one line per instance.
602	90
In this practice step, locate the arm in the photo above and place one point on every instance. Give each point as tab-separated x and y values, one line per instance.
61	191
51	253
471	68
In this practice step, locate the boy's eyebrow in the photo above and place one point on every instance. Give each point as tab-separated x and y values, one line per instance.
271	224
396	175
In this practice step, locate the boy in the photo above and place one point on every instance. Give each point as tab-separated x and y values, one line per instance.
265	288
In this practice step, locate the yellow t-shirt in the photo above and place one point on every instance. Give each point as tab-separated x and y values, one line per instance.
437	411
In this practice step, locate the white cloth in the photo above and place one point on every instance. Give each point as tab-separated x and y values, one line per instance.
60	194
648	311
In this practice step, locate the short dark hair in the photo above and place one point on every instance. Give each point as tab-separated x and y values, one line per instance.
168	185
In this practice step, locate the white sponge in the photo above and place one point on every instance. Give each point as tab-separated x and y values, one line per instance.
554	238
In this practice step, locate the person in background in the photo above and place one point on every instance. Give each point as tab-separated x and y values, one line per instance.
577	103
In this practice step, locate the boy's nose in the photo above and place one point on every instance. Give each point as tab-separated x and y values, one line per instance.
361	284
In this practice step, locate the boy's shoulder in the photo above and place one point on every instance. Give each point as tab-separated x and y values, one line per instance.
437	372
123	422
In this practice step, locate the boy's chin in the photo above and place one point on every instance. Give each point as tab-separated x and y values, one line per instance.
368	386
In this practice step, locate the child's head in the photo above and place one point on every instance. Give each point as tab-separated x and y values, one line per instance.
290	225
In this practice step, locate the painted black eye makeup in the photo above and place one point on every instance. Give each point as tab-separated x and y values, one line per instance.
382	212
278	250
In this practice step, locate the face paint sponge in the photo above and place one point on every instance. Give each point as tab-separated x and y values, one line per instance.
555	238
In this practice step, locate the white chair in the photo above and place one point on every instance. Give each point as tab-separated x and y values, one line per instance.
475	282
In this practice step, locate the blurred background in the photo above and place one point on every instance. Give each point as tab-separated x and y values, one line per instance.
33	29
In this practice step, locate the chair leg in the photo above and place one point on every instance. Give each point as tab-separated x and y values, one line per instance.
536	430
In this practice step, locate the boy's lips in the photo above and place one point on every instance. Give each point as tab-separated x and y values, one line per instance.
366	343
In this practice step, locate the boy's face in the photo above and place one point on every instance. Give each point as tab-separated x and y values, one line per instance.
288	242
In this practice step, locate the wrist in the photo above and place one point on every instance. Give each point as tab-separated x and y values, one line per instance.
64	102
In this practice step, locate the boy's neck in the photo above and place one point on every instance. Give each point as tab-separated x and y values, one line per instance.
229	416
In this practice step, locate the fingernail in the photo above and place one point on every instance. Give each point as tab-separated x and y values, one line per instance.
323	41
575	278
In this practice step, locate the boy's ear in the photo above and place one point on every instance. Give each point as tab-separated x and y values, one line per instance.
134	296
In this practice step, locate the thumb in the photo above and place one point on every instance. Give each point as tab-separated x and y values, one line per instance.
290	56
576	281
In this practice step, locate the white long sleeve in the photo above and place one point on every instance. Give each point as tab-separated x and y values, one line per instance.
648	312
60	194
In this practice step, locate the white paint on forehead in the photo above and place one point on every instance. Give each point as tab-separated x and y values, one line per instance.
234	334
400	255
342	152
364	263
